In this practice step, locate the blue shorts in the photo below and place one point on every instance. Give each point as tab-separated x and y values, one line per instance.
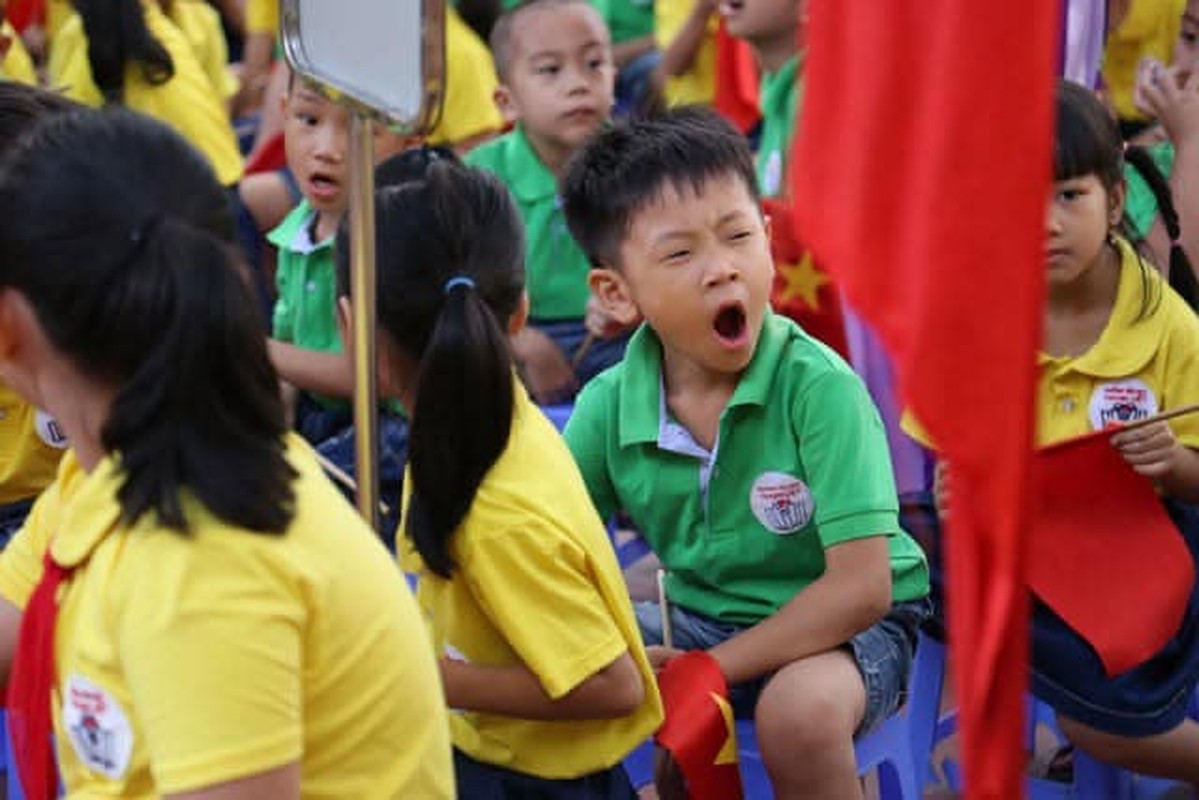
12	517
480	781
883	653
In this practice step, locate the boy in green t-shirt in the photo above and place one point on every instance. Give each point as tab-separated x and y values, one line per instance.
554	62
305	344
771	28
747	453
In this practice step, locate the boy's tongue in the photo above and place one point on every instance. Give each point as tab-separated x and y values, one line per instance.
730	323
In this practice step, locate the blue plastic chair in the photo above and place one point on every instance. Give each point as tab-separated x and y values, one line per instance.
559	414
900	749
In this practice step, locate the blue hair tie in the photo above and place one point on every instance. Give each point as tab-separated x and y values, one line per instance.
456	281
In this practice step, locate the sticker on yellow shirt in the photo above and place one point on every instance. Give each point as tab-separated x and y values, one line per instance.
98	728
781	502
49	431
1121	402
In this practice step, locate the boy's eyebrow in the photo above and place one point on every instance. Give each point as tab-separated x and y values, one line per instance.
686	233
1191	17
536	54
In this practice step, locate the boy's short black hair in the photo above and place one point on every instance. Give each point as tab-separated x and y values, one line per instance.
500	40
625	167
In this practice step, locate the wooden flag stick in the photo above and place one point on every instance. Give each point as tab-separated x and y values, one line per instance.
664	610
340	475
1181	411
581	353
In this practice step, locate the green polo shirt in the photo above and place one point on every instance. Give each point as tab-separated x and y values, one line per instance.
305	312
627	19
800	465
555	267
780	101
1140	204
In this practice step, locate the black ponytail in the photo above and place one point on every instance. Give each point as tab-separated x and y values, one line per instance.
450	275
1181	275
134	279
117	36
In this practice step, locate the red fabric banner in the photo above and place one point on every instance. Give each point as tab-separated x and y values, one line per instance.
1127	601
736	81
920	181
23	13
699	730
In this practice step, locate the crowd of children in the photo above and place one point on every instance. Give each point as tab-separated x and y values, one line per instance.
188	606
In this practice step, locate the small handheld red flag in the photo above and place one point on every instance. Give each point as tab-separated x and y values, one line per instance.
699	731
1104	554
736	81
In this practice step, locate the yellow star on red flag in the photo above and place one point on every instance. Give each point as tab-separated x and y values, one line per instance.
728	750
802	281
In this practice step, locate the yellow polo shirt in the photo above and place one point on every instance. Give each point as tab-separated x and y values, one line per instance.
201	24
1137	368
698	83
183	662
188	102
469	107
262	16
537	584
17	65
32	447
1149	30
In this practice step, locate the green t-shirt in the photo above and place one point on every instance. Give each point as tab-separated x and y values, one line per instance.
556	278
801	464
1140	205
780	102
627	19
305	312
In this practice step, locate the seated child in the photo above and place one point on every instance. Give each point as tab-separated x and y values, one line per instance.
539	649
554	62
748	454
1114	330
306	346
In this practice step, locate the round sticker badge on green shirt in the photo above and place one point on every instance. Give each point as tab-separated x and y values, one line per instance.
781	502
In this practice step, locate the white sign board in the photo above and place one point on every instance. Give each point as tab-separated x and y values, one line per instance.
384	57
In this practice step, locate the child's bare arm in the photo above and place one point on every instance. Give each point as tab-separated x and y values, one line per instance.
1155	452
680	53
853	593
330	374
514	691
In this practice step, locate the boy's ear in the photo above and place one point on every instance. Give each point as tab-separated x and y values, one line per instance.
612	291
520	316
506	103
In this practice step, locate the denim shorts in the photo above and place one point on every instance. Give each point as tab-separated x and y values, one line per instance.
883	653
12	517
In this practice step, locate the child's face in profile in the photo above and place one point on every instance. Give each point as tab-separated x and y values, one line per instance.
697	264
1186	50
752	20
1078	217
560	77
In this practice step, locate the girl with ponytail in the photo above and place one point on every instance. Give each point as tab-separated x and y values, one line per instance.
189	592
529	613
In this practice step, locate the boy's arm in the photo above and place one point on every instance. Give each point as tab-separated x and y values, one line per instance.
679	53
853	594
625	52
329	374
586	435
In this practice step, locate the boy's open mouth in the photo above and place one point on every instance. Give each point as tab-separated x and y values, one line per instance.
730	323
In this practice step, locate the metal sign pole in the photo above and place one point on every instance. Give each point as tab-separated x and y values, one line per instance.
362	292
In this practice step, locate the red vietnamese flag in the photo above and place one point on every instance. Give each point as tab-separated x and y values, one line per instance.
736	81
23	13
699	731
1088	505
920	181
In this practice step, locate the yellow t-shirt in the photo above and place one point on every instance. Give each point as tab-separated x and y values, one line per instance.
32	447
698	84
17	65
469	107
187	661
262	16
201	24
1137	368
188	102
536	583
1149	30
58	12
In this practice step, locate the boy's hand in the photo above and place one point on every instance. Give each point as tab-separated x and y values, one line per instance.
941	489
1152	450
547	374
1162	93
599	324
660	656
